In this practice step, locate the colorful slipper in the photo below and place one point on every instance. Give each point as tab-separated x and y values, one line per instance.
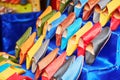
11	70
93	49
98	9
42	22
22	39
70	7
51	69
78	7
49	21
62	70
26	46
73	41
74	70
18	77
74	27
33	51
53	26
115	19
86	38
107	11
39	55
55	4
88	9
45	62
61	28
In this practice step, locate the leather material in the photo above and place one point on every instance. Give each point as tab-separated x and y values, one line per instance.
39	54
62	70
26	46
62	26
88	9
106	13
42	22
18	77
42	64
55	4
97	44
33	51
11	70
51	30
78	7
70	7
51	69
98	8
88	36
74	27
21	40
73	41
74	70
115	19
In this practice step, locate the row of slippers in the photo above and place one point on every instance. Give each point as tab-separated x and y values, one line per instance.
89	45
9	69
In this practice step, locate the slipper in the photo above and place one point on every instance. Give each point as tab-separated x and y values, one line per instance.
18	77
62	70
74	27
49	21
73	41
42	64
98	9
33	51
107	11
51	69
74	70
53	26
115	20
11	70
26	46
86	38
70	7
78	7
62	26
93	49
21	40
39	55
88	9
55	4
42	22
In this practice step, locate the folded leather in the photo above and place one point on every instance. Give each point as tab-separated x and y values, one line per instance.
33	51
39	55
61	28
69	31
74	70
78	7
26	46
49	21
21	40
51	69
88	9
18	77
73	41
8	57
98	8
62	70
106	13
115	19
55	4
42	64
11	70
42	22
91	34
53	26
93	49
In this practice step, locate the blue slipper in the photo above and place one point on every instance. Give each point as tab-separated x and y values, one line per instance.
51	30
71	30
